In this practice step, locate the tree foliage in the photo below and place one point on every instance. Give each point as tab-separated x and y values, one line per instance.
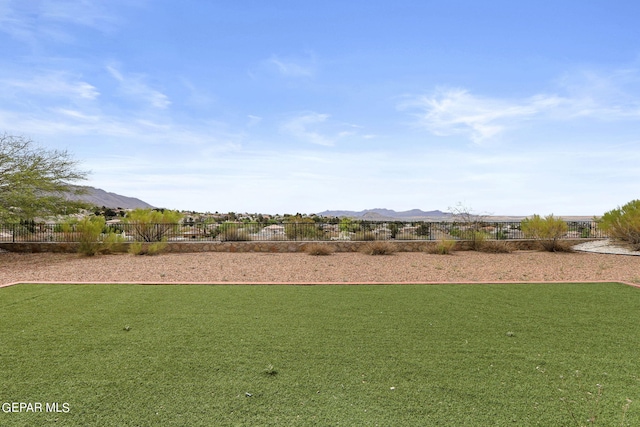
90	229
548	230
302	228
152	225
623	223
35	181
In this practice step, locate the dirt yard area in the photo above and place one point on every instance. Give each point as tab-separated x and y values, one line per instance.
406	267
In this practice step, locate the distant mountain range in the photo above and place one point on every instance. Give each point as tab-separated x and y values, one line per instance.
387	214
99	197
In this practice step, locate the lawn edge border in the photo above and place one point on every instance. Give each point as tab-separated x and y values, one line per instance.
310	283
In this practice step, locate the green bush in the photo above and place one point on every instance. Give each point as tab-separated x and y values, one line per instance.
89	230
67	231
112	243
443	247
135	248
623	223
303	229
140	248
548	230
477	239
347	225
152	225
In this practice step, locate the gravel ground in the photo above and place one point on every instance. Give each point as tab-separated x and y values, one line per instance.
410	267
605	247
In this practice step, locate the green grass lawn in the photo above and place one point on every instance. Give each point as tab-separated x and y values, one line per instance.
450	355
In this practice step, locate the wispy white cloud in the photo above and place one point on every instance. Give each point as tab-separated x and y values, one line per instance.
77	115
301	128
611	96
293	67
13	21
56	122
319	129
37	21
456	111
253	120
80	12
307	128
55	83
134	87
197	96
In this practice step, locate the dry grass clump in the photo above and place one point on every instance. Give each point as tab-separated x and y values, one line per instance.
139	248
556	246
496	247
442	247
378	248
234	235
318	249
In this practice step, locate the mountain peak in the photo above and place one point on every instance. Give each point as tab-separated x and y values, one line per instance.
99	197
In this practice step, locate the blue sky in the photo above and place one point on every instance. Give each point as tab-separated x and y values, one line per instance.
510	108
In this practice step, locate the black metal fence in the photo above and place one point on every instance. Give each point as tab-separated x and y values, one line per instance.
293	231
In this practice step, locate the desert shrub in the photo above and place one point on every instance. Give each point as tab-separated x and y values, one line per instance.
561	246
140	248
152	225
235	235
112	243
318	249
442	247
67	231
156	248
477	239
548	231
471	233
232	232
496	247
303	229
379	248
89	230
623	223
469	226
136	248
